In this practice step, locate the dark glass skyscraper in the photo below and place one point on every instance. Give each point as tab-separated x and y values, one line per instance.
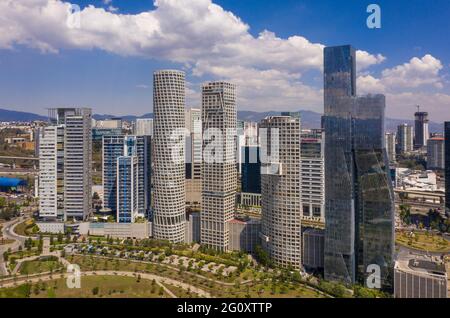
251	170
359	210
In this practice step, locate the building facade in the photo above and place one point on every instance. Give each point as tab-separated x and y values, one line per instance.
312	175
280	190
143	127
169	215
390	147
405	138
219	175
421	131
115	147
447	164
359	210
435	153
127	189
66	168
194	147
251	170
420	278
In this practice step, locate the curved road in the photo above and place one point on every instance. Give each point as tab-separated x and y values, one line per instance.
8	233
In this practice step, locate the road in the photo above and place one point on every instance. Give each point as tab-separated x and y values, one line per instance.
8	233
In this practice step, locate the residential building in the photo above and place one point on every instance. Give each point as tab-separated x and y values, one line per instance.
194	146
219	176
390	146
435	153
66	167
118	146
405	138
312	175
280	190
169	217
127	189
143	127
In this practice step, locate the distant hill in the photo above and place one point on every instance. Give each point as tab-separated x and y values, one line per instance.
310	119
12	115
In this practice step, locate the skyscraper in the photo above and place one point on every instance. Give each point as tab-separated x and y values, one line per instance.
435	153
447	165
66	151
421	133
390	146
312	175
219	163
127	189
194	146
169	215
280	190
118	146
359	207
250	169
405	138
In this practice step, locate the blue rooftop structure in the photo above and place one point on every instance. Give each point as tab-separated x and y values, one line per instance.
11	182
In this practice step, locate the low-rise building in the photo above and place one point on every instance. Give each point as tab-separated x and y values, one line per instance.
419	277
244	234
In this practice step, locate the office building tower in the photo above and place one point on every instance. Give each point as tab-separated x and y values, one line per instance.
194	146
421	132
169	215
435	153
251	170
118	146
447	165
390	146
312	175
359	210
127	189
143	127
219	176
420	277
280	190
72	166
405	138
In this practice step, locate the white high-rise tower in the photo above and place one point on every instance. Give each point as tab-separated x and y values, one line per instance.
169	216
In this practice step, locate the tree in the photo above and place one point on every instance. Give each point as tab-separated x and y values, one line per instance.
95	291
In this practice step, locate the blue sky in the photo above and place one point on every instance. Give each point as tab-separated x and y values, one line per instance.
107	63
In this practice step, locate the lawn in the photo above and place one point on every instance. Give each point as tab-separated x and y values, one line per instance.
237	290
99	287
422	241
39	266
24	228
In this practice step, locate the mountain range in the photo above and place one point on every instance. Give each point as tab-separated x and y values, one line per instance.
309	118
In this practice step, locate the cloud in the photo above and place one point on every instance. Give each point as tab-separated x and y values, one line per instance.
209	43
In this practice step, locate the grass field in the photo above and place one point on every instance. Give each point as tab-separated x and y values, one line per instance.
24	227
257	290
39	266
422	241
99	287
